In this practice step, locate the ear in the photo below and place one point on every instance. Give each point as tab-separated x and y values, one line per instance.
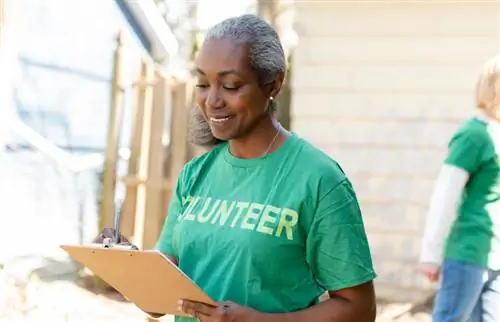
275	87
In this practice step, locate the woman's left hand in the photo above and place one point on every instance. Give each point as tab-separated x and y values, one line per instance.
222	312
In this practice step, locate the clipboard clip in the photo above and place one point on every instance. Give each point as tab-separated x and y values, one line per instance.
106	243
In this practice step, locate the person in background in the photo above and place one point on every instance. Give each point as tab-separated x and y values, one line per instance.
461	242
264	222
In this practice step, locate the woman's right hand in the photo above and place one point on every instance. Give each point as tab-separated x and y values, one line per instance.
107	237
430	270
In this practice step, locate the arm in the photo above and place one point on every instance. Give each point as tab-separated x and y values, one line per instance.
338	253
463	159
443	211
356	304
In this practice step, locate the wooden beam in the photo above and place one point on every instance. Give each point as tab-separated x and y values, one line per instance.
147	227
143	96
154	207
178	145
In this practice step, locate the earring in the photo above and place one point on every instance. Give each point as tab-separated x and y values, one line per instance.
271	98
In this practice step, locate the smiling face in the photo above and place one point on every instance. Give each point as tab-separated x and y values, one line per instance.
228	90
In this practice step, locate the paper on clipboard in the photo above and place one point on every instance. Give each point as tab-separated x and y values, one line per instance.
146	277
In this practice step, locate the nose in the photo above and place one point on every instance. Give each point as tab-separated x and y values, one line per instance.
213	99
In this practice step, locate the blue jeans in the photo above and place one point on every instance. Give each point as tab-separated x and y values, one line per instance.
468	293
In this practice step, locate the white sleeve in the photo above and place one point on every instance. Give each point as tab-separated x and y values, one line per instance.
443	211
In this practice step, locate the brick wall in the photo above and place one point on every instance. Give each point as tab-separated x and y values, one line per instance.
381	88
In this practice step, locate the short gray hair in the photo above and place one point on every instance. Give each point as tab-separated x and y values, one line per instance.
266	54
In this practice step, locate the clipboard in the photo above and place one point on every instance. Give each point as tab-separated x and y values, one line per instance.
146	277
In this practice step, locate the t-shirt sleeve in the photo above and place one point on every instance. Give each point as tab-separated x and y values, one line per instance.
464	152
164	243
337	246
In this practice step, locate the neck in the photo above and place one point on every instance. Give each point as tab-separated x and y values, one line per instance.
264	137
488	117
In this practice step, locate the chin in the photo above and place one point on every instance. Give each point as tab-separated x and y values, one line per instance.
223	135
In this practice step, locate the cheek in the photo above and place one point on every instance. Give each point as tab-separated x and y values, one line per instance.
199	98
245	103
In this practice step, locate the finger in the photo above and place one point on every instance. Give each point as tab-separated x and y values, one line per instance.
124	240
108	233
196	308
431	276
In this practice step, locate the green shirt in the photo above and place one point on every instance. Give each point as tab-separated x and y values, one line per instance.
475	234
271	233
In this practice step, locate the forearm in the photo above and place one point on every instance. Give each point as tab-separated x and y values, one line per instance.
442	212
335	309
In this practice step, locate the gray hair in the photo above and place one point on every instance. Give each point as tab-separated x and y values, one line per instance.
267	59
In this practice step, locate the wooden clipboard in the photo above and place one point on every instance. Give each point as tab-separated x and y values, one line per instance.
146	277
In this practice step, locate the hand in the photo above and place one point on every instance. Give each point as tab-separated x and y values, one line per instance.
107	236
430	270
222	312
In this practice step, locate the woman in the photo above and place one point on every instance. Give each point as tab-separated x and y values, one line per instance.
264	222
462	238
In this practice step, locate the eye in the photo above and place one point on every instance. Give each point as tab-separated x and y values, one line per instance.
202	85
231	87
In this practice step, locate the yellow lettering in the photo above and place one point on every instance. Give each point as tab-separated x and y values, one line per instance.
267	218
203	210
202	218
288	220
223	213
252	214
186	200
192	203
241	207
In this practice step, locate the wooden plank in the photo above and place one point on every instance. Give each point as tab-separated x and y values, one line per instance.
178	145
143	168
156	175
143	97
147	224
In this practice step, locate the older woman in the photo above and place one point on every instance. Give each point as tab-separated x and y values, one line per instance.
264	222
462	239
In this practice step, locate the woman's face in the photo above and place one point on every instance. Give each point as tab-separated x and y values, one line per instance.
228	91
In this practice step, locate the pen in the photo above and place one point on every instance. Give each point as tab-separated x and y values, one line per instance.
117	223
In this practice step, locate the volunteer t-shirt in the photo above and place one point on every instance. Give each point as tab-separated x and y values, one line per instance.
475	235
271	233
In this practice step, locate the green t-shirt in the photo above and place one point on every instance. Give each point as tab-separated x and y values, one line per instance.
475	234
271	233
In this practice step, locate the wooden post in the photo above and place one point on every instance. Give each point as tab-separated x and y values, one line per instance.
270	10
156	176
178	147
150	171
267	9
107	210
143	97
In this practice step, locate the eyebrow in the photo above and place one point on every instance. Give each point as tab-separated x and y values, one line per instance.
221	73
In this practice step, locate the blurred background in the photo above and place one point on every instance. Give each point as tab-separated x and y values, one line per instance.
95	98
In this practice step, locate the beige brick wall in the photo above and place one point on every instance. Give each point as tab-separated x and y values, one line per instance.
381	89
